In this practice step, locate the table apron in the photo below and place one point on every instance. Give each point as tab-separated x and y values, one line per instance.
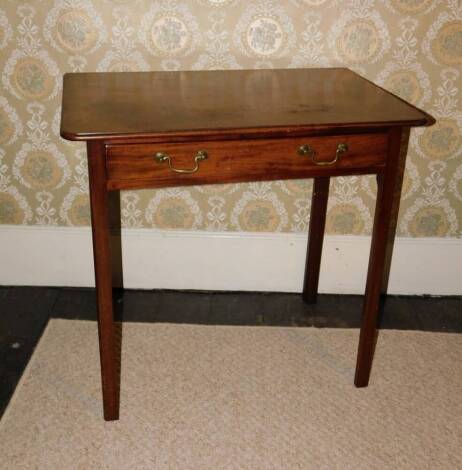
157	165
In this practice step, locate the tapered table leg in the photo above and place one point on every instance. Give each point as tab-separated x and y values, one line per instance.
315	238
400	167
103	276
386	213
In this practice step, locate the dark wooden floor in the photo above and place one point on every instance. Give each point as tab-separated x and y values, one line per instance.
25	311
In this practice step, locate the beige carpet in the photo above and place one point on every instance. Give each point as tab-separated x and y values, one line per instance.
214	397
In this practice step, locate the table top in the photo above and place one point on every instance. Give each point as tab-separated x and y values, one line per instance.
144	104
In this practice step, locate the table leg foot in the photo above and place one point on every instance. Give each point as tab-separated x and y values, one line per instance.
111	414
110	370
365	356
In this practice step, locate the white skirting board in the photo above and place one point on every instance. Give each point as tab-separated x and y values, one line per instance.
61	256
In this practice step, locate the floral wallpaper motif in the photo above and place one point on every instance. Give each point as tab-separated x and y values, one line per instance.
411	47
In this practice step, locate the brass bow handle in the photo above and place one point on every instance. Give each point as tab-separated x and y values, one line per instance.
162	157
307	150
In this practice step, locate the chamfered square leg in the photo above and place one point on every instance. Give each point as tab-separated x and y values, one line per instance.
315	238
383	233
103	277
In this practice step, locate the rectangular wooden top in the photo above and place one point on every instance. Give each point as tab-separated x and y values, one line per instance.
238	102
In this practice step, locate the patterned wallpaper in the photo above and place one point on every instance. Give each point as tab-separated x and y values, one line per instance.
411	47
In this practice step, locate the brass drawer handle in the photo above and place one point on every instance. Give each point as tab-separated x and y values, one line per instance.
307	150
162	157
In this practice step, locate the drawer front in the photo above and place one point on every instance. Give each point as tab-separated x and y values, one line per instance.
177	164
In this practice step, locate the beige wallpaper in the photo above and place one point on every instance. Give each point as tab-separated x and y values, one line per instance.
412	47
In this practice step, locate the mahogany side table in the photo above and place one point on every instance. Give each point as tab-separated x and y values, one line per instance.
159	129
